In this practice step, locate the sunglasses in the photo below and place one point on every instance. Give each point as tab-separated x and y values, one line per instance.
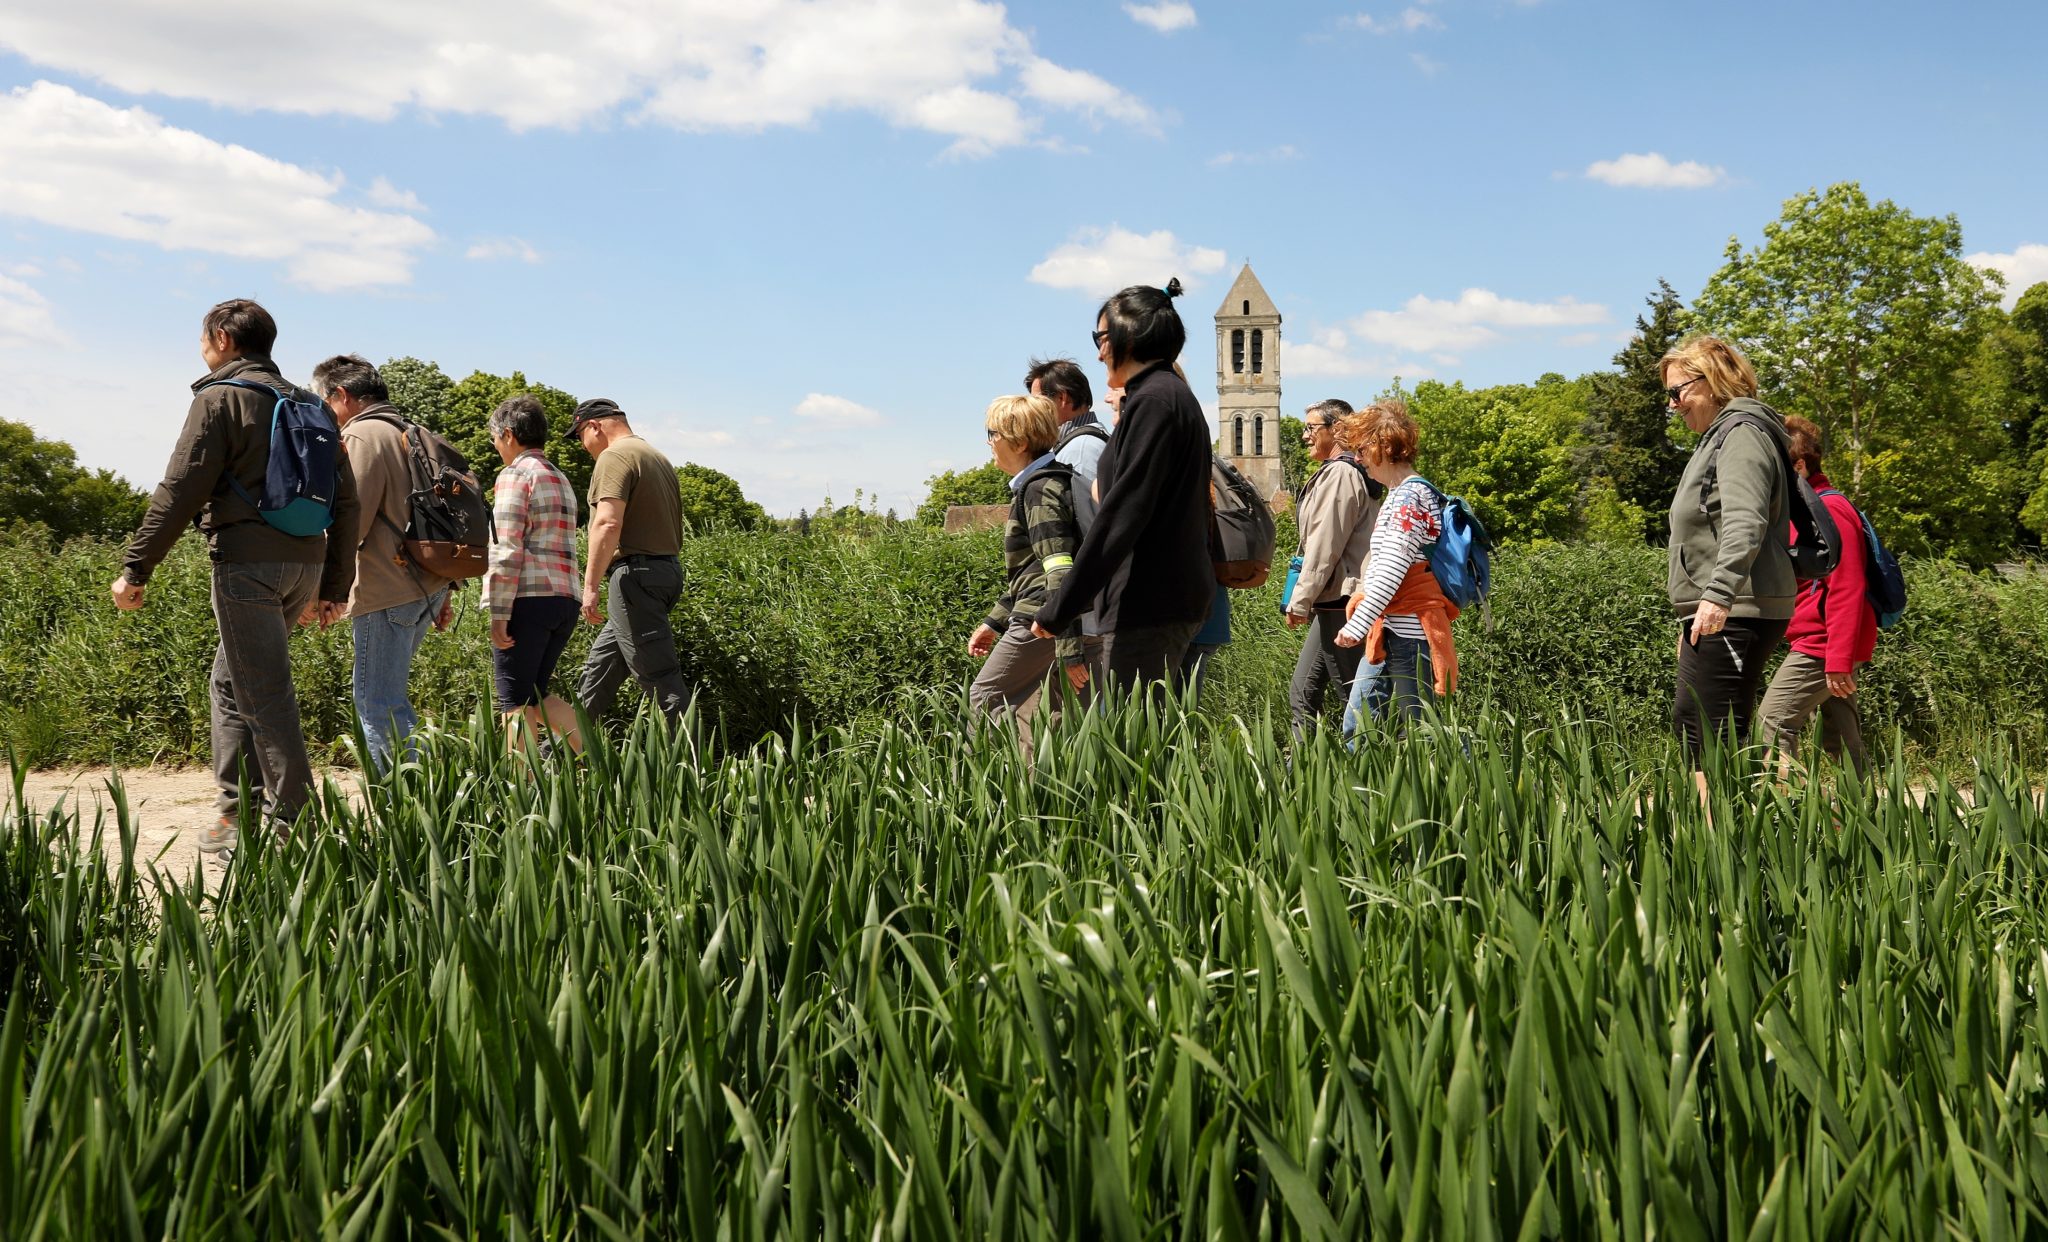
1676	391
1099	336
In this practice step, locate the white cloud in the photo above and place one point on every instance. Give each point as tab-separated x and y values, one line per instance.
836	411
1476	319
383	194
945	66
1652	171
1328	353
1076	90
488	249
74	162
1099	262
1165	17
1281	154
1407	21
25	318
1428	65
2024	268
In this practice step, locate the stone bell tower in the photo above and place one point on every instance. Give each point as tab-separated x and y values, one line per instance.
1248	383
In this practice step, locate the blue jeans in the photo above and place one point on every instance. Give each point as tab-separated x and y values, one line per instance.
386	641
1368	697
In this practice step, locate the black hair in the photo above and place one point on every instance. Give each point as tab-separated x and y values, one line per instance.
1142	324
353	374
524	418
1332	408
250	328
1060	377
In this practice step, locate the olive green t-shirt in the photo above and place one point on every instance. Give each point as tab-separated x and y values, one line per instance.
634	471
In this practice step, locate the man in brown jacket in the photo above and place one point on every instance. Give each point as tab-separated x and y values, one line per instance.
264	580
1336	514
394	599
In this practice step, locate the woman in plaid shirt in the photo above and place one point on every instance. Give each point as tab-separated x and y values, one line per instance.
532	586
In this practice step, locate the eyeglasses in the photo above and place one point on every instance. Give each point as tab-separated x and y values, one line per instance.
1678	390
1099	336
1321	426
991	435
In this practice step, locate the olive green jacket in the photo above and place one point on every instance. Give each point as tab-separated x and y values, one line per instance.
1735	553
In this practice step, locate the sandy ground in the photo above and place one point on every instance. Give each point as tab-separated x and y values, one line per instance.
171	806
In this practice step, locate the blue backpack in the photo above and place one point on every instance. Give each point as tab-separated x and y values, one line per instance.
305	452
1462	556
1884	584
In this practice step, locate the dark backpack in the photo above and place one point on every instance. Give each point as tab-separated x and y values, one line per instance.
1884	584
1241	533
1462	556
447	526
305	450
1819	548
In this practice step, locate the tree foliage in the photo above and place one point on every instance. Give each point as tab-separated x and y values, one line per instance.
1508	450
1632	462
42	483
712	500
462	413
986	484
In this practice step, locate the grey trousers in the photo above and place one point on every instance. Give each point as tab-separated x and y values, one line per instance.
1321	666
1023	673
257	736
1800	688
637	639
1146	655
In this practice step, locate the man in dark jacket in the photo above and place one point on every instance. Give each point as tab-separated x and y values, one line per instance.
1146	558
264	580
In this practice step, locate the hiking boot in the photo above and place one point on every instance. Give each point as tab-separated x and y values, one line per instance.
221	838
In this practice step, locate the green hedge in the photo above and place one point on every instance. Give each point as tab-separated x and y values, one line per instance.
832	628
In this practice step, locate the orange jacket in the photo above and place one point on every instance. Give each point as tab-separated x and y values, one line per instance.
1421	598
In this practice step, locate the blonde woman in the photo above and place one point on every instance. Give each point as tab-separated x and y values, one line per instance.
1729	577
1039	542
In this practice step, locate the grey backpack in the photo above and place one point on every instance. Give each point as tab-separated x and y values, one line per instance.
1241	533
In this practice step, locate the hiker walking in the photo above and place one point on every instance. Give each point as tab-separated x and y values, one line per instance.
1336	512
274	564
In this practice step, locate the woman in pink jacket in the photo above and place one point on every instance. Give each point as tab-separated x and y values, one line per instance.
1833	631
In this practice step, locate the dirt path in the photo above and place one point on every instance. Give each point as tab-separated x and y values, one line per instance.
171	806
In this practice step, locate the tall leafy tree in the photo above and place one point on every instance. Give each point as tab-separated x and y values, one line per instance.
1508	450
42	483
466	423
420	390
2022	346
1628	423
986	484
712	500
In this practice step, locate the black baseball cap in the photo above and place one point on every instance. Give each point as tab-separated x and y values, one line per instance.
592	410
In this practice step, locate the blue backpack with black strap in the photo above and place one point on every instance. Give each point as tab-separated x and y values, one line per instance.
305	454
1462	556
1884	585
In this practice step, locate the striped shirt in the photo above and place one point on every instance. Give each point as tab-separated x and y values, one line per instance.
533	546
1411	519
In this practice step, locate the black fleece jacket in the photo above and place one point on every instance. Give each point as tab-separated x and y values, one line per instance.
1147	555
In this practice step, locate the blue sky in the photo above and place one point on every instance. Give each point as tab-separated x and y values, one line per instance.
805	241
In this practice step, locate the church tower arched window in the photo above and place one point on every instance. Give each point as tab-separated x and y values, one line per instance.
1258	437
1237	436
1237	350
1258	351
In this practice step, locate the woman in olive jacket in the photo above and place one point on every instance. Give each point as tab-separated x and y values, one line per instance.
1730	577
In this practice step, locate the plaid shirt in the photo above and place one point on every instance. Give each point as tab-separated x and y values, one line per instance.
533	551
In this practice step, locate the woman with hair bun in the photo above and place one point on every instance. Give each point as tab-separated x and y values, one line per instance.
1145	564
1729	576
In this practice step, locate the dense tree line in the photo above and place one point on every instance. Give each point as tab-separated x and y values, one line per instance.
42	484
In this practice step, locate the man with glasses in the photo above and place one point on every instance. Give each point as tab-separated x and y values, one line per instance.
631	577
395	600
1336	512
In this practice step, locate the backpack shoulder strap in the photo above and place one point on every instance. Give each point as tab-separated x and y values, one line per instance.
235	484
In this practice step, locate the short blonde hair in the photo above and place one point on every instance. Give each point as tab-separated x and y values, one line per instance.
1030	422
1383	430
1727	372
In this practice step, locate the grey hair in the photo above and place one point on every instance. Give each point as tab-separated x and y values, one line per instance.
353	374
1332	408
524	418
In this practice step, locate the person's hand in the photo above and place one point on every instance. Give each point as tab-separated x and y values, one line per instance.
330	612
1346	640
501	634
1077	676
127	596
446	617
982	641
1841	685
310	614
593	610
1708	618
1295	620
1039	631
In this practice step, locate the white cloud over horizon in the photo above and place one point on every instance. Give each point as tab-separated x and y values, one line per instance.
1076	90
1284	153
956	68
1407	21
836	411
1164	17
26	320
1098	262
1477	318
74	162
491	249
1651	171
2023	268
1327	353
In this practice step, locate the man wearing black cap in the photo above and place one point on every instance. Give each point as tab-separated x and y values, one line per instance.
636	529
